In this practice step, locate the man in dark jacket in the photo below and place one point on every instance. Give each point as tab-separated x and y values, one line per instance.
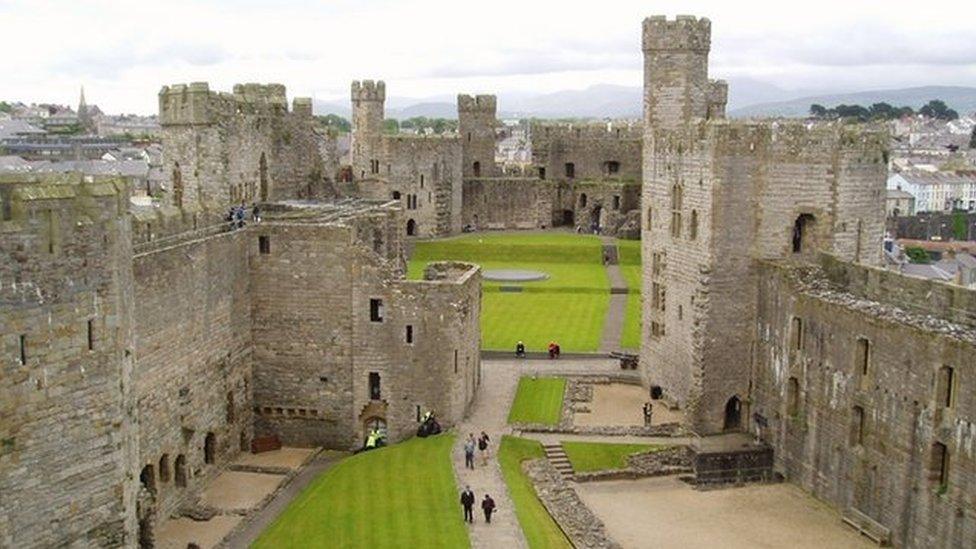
488	506
467	501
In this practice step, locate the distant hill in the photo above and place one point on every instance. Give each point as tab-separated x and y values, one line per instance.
960	98
747	97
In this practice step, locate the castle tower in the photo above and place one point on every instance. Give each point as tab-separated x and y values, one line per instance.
676	86
367	127
476	126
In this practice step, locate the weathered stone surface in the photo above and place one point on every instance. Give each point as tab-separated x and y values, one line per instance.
580	525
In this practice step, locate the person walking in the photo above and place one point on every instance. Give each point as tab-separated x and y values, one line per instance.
467	501
469	452
483	441
488	506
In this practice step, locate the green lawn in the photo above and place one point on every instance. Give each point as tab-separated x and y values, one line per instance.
400	496
569	307
540	530
600	456
630	266
538	400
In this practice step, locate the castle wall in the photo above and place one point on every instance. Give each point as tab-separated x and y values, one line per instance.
589	148
66	397
367	127
510	203
428	169
865	440
193	353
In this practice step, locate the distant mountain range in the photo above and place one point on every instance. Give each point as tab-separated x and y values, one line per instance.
747	98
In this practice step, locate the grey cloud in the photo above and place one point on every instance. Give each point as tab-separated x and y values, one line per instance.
522	62
109	63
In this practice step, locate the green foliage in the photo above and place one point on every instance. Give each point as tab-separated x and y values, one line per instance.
541	531
335	122
438	125
6	107
391	126
602	456
937	109
569	307
916	254
403	495
959	226
877	111
630	267
538	400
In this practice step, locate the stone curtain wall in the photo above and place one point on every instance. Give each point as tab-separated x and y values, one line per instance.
503	203
193	353
810	398
66	463
302	326
430	169
588	147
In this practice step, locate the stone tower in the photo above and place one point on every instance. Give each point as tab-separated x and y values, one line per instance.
722	197
367	127
476	126
676	85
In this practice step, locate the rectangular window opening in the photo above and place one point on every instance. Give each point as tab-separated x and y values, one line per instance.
797	333
409	334
374	386
91	334
23	349
376	310
944	386
264	244
455	361
863	359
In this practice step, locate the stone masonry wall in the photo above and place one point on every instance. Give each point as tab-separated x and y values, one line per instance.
865	438
193	353
429	169
588	147
66	396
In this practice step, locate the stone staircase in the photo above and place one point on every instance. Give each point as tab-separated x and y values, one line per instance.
559	460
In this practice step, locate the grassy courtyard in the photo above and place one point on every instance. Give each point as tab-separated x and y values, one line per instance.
569	307
601	456
540	530
400	496
538	400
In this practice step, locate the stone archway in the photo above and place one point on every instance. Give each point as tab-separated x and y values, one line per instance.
733	414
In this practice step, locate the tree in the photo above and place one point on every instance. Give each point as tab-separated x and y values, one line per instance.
5	107
818	111
972	139
390	125
336	122
937	109
916	254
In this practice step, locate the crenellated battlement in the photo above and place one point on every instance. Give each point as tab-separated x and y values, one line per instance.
684	33
368	90
197	104
477	103
786	138
19	190
611	130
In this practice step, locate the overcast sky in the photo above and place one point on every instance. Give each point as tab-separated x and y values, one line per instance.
122	52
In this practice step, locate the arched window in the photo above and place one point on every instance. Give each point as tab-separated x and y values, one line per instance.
411	227
802	229
180	472
164	468
582	200
210	448
148	478
693	226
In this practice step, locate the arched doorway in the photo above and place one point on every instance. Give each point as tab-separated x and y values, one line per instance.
733	414
595	218
374	422
803	229
210	448
411	227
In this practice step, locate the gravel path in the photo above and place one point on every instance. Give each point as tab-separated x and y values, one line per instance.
613	325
